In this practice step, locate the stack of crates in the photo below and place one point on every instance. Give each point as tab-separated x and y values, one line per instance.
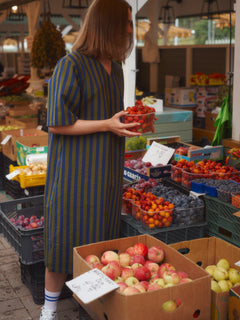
28	243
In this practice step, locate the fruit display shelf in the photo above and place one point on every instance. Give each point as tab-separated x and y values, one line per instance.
28	244
33	276
131	227
223	220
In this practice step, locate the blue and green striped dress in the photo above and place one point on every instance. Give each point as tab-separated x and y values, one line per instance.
85	172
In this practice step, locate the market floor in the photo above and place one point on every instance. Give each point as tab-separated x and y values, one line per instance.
16	301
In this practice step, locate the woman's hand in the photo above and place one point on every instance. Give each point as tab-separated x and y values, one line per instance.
121	129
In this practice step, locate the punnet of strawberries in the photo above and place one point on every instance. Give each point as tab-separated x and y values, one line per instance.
144	115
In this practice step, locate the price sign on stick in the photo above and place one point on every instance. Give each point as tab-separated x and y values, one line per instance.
91	285
158	153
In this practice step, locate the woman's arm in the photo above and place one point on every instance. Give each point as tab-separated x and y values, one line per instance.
82	127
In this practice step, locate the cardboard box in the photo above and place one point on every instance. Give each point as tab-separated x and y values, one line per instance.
9	149
184	97
195	295
210	119
234	303
208	251
30	145
22	111
23	123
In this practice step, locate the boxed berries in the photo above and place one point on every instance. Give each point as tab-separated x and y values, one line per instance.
141	114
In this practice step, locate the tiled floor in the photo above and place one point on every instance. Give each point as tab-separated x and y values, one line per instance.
16	301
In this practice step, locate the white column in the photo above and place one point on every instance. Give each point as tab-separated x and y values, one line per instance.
129	68
236	78
32	10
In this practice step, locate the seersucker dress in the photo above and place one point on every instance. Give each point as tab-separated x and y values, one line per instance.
85	172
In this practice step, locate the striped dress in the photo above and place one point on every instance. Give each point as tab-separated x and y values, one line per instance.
85	172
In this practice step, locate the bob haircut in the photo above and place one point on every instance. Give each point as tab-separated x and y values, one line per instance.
104	31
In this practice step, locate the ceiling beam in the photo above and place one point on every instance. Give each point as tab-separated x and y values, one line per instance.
8	4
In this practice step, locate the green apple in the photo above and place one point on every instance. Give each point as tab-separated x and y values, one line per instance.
223	284
220	274
224	264
169	306
214	286
234	275
210	269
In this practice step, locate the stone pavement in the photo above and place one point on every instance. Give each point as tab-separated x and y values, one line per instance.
16	302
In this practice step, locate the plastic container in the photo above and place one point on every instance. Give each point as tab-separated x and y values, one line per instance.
152	219
28	181
187	177
146	122
126	206
28	244
33	276
188	216
176	174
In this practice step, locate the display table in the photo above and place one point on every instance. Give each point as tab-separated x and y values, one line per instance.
173	122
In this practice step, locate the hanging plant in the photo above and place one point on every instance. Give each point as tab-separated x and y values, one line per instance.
48	47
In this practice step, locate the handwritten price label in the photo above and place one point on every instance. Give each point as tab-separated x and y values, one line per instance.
91	285
158	153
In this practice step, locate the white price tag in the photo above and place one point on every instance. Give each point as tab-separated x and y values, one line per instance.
158	154
91	285
13	174
237	263
6	139
39	127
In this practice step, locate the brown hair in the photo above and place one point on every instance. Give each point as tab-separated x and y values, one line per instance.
104	32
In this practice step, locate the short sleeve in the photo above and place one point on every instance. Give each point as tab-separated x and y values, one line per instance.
64	94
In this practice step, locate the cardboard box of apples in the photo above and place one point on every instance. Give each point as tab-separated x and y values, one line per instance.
149	275
222	260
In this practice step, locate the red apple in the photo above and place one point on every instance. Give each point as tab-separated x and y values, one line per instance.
171	277
164	267
130	291
145	284
131	281
156	254
97	265
108	256
182	274
142	273
137	258
130	251
169	306
92	258
152	266
140	287
126	272
122	286
112	270
140	249
153	287
124	259
185	280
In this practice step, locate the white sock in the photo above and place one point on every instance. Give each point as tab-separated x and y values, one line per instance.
51	299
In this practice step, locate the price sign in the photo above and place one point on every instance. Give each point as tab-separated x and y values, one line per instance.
13	174
6	139
91	285
158	153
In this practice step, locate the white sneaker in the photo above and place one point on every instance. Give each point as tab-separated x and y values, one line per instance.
47	314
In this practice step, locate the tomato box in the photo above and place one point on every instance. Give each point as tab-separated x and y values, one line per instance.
208	251
195	295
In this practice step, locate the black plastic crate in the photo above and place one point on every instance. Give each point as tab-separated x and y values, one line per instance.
221	220
130	227
33	276
28	244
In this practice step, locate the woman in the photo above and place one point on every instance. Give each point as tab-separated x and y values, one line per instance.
86	142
